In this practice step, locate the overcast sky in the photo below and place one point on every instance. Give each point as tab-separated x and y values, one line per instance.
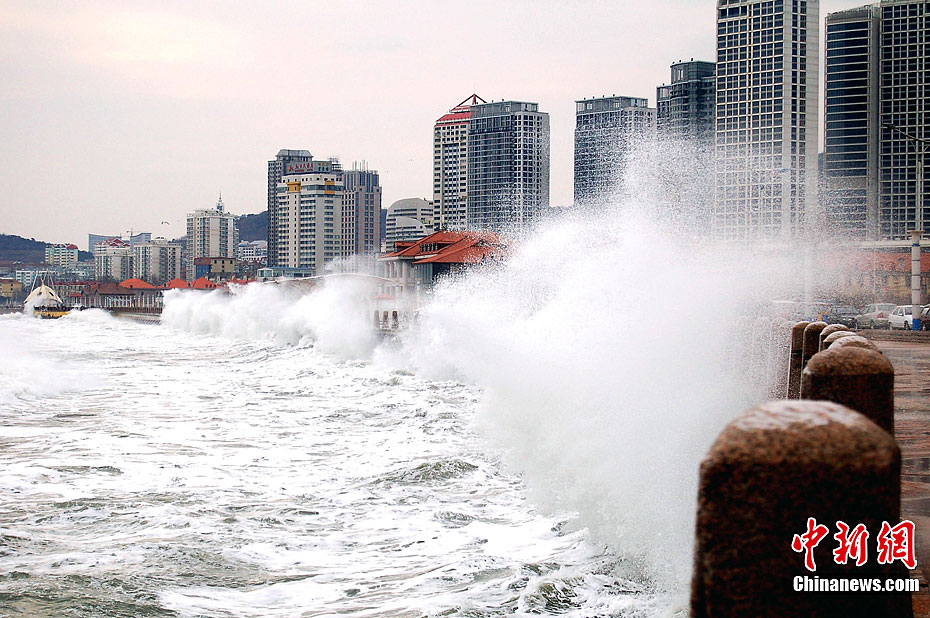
118	116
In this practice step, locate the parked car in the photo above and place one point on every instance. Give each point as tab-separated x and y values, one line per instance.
901	317
925	318
841	314
875	316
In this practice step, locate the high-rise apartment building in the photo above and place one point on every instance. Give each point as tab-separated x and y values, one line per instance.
157	262
112	260
905	114
767	118
686	127
604	131
450	165
508	164
210	234
876	103
851	122
361	212
61	255
285	162
309	217
686	108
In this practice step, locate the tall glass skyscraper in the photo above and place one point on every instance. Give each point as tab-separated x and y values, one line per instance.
686	107
361	212
851	121
877	95
767	120
604	131
905	104
508	164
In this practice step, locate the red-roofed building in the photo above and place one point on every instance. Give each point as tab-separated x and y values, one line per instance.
450	166
113	242
114	296
177	284
137	284
415	266
203	284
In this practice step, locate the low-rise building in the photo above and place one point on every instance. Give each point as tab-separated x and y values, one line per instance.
871	276
273	273
214	268
129	295
10	288
408	220
203	283
253	251
415	266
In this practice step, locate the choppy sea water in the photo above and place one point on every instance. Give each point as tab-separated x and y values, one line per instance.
531	447
150	471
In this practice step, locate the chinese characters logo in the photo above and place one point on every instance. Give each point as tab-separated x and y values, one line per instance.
892	543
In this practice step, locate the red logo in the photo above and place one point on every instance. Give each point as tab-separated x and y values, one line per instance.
893	543
808	541
852	544
897	543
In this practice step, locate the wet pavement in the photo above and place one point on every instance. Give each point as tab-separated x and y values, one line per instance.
911	361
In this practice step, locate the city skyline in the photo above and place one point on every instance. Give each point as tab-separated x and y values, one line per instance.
144	115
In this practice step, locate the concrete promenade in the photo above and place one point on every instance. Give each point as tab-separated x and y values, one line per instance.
910	356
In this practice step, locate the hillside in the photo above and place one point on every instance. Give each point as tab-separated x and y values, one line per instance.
28	250
253	227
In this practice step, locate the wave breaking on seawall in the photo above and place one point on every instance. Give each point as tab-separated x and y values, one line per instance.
609	351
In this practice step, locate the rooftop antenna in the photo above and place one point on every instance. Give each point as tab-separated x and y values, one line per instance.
219	203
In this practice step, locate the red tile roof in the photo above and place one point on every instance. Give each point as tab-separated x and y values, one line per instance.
454	117
177	284
137	284
110	289
451	248
204	284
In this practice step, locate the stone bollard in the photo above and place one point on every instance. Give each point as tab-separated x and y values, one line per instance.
795	360
782	348
829	330
829	339
811	343
855	377
856	341
770	470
